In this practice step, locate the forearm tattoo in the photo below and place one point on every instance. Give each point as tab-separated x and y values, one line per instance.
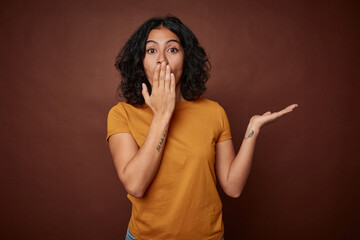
161	142
250	135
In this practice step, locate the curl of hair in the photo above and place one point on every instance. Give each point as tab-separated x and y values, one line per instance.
129	62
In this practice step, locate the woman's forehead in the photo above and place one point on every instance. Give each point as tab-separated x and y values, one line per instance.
162	35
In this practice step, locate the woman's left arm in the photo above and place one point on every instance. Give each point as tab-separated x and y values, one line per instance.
231	171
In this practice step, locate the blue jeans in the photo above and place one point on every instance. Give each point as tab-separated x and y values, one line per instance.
129	236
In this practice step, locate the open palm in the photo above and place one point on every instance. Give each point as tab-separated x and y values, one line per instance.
268	117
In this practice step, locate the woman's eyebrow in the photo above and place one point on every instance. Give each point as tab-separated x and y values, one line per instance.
171	40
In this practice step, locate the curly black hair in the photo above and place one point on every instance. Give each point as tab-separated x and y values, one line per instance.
129	62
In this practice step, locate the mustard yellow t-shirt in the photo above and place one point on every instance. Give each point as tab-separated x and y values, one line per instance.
182	202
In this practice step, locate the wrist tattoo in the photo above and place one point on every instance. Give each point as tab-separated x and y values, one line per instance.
250	135
161	142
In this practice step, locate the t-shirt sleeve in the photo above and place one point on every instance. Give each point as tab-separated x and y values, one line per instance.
225	132
117	121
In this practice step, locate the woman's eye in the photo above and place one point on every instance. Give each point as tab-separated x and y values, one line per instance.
151	50
173	50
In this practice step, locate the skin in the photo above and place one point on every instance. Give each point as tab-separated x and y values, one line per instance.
163	48
232	170
136	167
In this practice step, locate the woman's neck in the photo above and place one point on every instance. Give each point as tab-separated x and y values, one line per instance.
179	97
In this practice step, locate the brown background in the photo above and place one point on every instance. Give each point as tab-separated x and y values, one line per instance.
58	83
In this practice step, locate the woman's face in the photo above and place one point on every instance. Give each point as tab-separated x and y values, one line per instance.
162	45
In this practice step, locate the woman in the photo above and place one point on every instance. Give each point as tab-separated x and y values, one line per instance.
169	144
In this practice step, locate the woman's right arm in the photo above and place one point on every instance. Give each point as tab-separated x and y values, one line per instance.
136	167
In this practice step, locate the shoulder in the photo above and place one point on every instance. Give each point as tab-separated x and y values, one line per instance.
207	102
127	111
118	108
214	109
124	107
210	104
117	111
119	105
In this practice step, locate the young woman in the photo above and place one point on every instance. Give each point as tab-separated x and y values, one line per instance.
169	144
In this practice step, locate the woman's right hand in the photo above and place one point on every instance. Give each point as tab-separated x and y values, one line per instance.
162	99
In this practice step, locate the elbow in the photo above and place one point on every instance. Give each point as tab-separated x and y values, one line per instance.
135	191
132	187
136	194
234	195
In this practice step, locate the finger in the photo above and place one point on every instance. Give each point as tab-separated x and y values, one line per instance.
291	107
267	113
162	75
172	84
288	109
167	78
145	93
156	77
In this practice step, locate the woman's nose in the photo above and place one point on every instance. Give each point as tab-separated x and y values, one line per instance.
162	58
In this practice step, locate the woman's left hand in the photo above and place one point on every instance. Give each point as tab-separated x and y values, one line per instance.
258	121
